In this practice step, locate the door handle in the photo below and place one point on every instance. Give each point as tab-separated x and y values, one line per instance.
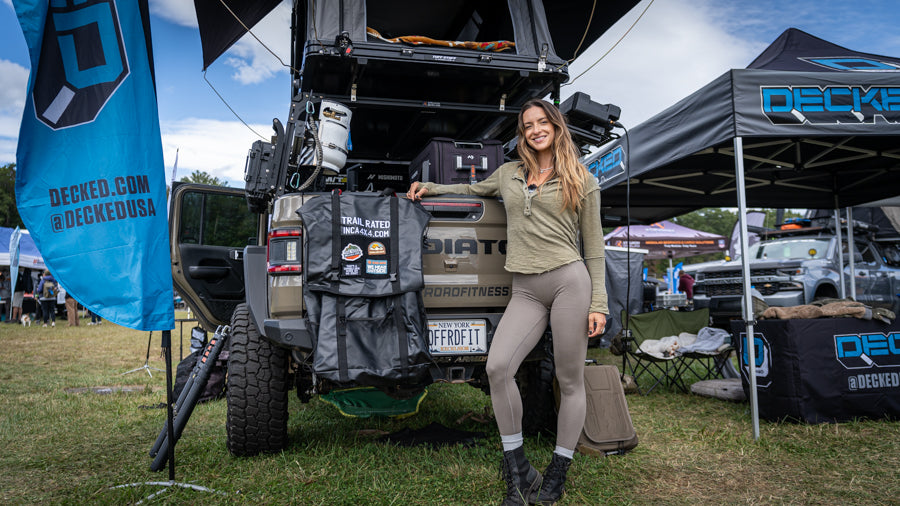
208	272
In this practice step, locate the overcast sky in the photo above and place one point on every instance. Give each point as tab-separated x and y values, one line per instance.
676	47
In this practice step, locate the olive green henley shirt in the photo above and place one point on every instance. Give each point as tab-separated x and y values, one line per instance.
541	236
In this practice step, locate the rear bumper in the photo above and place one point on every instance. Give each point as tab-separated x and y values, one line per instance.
289	333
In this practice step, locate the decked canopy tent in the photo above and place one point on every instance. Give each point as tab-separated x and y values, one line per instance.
821	125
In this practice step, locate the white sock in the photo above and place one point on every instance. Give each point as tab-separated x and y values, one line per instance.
564	452
512	441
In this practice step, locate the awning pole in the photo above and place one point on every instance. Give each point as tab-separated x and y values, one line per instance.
750	345
851	248
840	249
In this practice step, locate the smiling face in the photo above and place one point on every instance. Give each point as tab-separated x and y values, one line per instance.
539	131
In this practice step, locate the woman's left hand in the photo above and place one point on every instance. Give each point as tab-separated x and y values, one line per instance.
596	324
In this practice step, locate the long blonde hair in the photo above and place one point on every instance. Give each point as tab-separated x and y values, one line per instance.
565	154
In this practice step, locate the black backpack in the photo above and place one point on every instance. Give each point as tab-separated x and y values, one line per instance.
49	289
215	385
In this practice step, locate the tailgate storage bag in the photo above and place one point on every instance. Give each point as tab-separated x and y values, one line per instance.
362	289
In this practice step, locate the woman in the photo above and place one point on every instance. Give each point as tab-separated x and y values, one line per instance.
550	200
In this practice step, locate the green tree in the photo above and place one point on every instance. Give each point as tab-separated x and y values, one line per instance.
715	220
9	213
201	177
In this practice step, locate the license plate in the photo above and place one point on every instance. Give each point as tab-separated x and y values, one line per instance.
457	337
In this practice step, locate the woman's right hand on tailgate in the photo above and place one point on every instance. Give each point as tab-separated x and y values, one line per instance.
416	191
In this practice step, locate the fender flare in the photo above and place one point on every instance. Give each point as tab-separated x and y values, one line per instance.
255	290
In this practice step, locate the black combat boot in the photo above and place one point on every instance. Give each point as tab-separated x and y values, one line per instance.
522	479
554	481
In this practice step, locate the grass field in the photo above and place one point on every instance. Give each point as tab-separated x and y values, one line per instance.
62	443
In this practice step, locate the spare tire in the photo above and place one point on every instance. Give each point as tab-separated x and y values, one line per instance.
538	399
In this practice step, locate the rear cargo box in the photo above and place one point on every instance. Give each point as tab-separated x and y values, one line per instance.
445	161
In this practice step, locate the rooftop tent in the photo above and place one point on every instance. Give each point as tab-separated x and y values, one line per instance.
666	240
819	125
397	66
886	218
561	23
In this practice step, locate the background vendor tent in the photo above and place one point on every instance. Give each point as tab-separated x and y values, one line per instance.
29	256
666	240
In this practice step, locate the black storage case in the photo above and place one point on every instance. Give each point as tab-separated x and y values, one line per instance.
446	161
378	177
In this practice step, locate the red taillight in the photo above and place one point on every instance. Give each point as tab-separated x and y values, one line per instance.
284	233
283	251
284	269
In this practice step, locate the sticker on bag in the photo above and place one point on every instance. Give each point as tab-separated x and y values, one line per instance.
376	267
351	252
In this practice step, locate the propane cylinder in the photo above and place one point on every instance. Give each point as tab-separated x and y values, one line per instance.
334	130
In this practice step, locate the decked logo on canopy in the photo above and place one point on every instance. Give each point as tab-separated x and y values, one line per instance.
797	105
853	64
82	62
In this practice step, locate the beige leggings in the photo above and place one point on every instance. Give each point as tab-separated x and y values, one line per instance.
562	297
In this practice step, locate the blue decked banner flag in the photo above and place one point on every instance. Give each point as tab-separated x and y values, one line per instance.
90	181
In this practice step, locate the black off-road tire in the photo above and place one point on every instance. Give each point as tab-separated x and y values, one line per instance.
257	392
538	400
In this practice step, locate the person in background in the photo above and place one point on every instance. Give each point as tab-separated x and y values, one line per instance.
95	318
35	275
18	297
5	294
686	285
71	309
47	291
551	200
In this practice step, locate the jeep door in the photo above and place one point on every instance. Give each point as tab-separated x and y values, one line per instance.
208	229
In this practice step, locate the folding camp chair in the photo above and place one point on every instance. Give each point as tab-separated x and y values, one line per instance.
705	365
665	369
